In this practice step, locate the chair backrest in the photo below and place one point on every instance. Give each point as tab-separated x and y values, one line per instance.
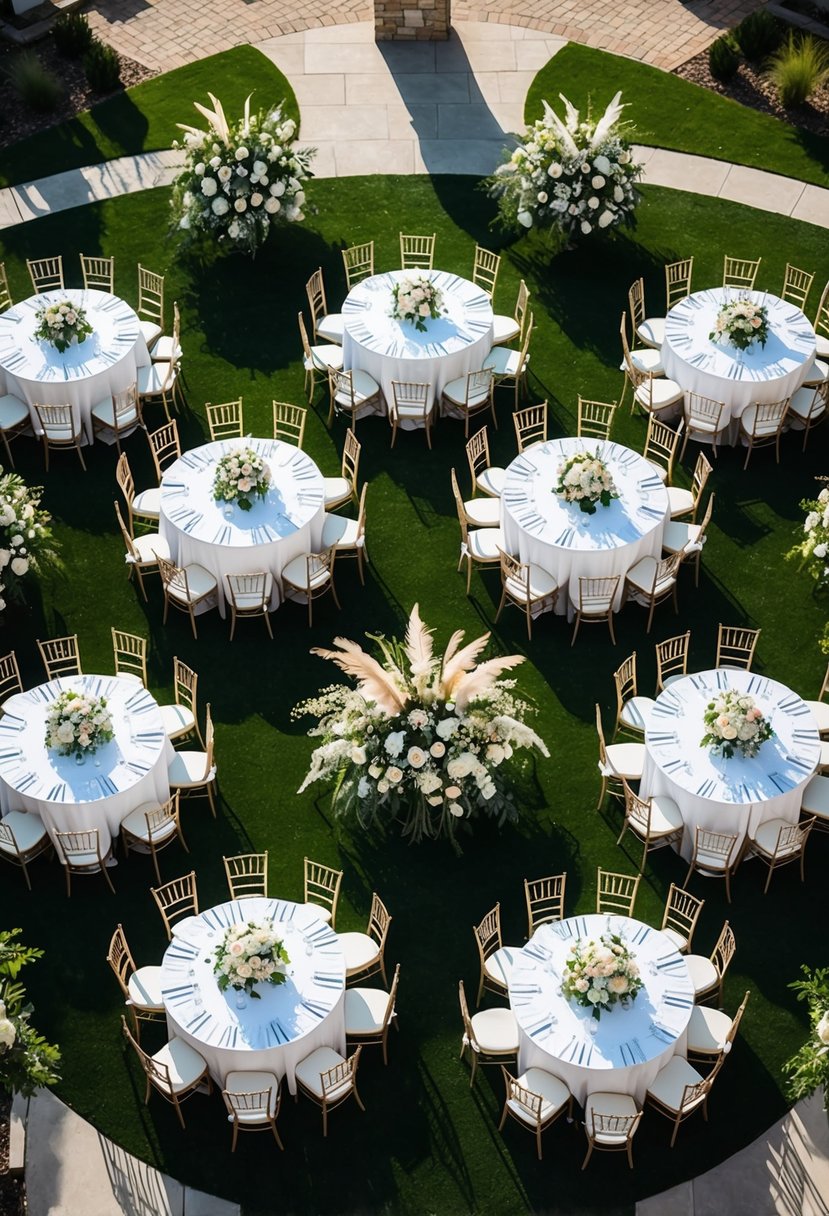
723	951
515	578
340	1079
226	420
361	515
678	281
130	652
61	656
175	345
395	984
522	303
637	812
530	425
740	272
417	252
600	735
177	898
477	455
478	384
46	274
703	409
120	959
126	483
80	849
159	818
209	739
321	885
247	875
616	893
469	1033
289	422
303	333
769	414
245	1104
636	304
488	933
595	418
661	444
150	295
665	575
624	677
635	375
462	518
173	579
792	838
5	294
358	261
410	394
185	685
341	388
672	658
485	269
58	424
10	681
158	1074
248	593
617	1130
527	1099
735	1021
98	273
682	911
703	527
351	458
824	688
127	534
822	314
545	900
526	338
702	471
736	646
719	847
596	595
315	291
796	286
165	447
378	921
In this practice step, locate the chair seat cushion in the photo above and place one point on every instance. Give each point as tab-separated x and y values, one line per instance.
806	403
815	797
320	911
104	411
703	973
165	350
761	430
177	720
822	346
496	1031
455	391
253	1083
641	576
336	489
484	544
820	713
818	372
365	1009
200	583
364	386
499	965
144	987
136	824
669	1084
148	502
652	331
359	950
13	411
491	480
27	829
553	1093
707	1029
249	601
330	327
503	361
680	501
542	585
678	939
678	536
483	512
309	1072
704	426
665	393
504	329
296	573
626	759
153	378
150	332
765	839
620	1106
339	532
665	815
646	359
188	768
636	712
150	545
323	357
183	1061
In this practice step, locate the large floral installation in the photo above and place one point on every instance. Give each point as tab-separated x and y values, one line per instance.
574	176
425	740
27	546
240	178
808	1069
27	1060
812	550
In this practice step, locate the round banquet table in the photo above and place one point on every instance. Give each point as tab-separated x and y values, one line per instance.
629	1045
283	525
731	796
720	371
99	793
105	363
453	344
560	538
290	1020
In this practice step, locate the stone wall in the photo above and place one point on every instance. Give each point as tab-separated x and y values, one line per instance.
411	20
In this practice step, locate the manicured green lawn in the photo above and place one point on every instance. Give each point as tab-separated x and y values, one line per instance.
143	119
672	113
426	1142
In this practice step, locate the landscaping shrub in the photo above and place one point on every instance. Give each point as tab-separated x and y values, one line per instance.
798	68
723	60
72	35
36	86
102	67
758	35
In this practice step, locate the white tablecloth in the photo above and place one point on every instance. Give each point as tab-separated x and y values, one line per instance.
731	796
100	792
452	346
720	371
629	1045
105	363
558	536
290	1020
284	524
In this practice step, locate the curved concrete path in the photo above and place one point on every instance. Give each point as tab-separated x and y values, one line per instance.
415	108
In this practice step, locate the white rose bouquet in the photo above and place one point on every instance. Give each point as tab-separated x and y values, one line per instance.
77	724
61	324
742	323
735	724
575	176
241	476
416	300
240	178
27	545
601	974
423	739
585	479
251	954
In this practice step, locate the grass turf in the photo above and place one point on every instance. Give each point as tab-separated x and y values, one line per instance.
143	119
426	1143
669	112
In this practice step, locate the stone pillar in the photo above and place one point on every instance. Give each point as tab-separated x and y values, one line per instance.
411	20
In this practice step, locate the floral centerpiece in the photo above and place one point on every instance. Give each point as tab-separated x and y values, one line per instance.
416	300
251	954
61	324
78	724
735	724
426	739
586	480
741	323
240	178
241	476
601	974
575	175
26	541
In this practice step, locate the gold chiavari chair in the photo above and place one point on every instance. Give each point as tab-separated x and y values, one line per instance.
118	416
646	360
761	425
176	1070
661	446
329	1079
80	853
186	588
323	359
365	953
610	1123
369	1013
61	656
490	1035
707	974
479	546
822	324
776	843
167	348
485	270
528	587
479	512
618	763
250	1108
177	901
486	477
686	502
650	330
687	540
23	837
15	421
819	709
470	395
150	305
654	821
347	536
151	828
340	490
672	660
327	326
413	404
195	772
98	273
310	576
181	719
510	367
5	295
505	328
808	408
141	986
496	960
417	252
358	263
159	382
736	646
321	889
711	1033
289	422
595	418
165	447
679	1090
59	431
10	681
595	604
247	875
130	653
144	506
632	710
226	420
46	274
545	900
653	392
536	1100
650	582
679	920
353	393
796	286
740	272
678	281
616	893
250	595
143	551
530	426
716	855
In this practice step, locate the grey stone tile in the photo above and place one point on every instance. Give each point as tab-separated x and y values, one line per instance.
678	1201
351	57
442	86
697	174
358	158
475	157
196	1203
767	191
375	88
344	123
473	121
813	206
9	210
413	121
356	31
327	88
407	57
57	193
